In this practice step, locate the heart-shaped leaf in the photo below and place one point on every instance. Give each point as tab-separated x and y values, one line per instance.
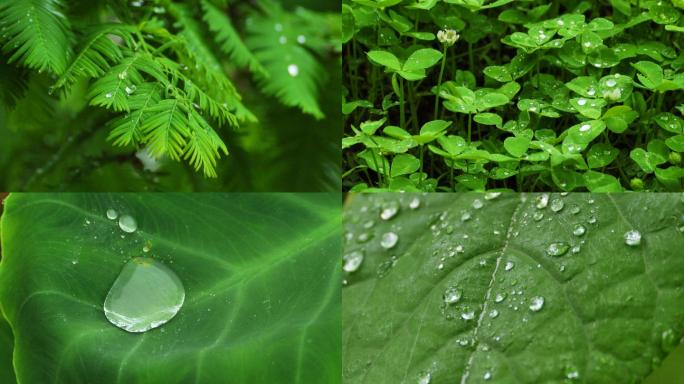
648	161
235	255
386	59
477	287
488	119
404	164
422	59
517	146
618	118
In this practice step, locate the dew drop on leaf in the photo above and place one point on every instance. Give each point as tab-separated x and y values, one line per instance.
145	295
127	224
493	313
632	238
585	128
509	265
576	249
557	205
414	203
469	315
579	230
581	102
352	261
538	216
424	378
451	295
557	249
465	216
491	195
542	201
575	209
487	375
389	240
389	211
500	297
537	304
112	214
108	95
477	204
293	70
591	219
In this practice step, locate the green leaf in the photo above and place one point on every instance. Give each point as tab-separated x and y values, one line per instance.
676	143
618	118
598	182
579	136
494	269
404	164
386	59
489	119
236	256
422	59
669	122
590	108
36	33
648	161
517	146
601	155
431	130
651	74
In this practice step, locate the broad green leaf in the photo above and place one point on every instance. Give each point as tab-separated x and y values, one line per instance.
676	143
260	275
517	146
584	85
6	347
454	145
579	136
669	122
498	73
386	59
422	59
432	130
370	127
396	132
477	290
651	74
404	164
647	161
590	108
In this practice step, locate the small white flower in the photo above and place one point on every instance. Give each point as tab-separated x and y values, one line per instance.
448	37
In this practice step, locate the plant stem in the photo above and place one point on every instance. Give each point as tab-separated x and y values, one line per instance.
439	81
402	118
470	125
471	58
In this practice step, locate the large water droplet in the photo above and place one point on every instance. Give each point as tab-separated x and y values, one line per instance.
557	205
492	195
542	201
465	216
127	224
293	70
352	261
146	295
424	378
389	211
557	249
579	230
537	304
389	240
477	204
487	375
509	265
468	315
112	214
414	203
632	238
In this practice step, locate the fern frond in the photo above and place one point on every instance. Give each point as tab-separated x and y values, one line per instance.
229	40
167	129
127	130
37	34
279	42
112	91
14	82
97	55
204	145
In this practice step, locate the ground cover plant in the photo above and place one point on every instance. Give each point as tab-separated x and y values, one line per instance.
443	95
259	274
169	95
512	288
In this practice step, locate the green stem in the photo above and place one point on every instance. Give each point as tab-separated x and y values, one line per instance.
439	82
470	125
421	165
402	118
471	58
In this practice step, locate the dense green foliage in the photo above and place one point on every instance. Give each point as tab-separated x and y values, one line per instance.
512	288
513	94
260	272
153	95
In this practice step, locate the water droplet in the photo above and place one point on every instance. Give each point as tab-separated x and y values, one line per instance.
500	297
108	95
145	295
538	216
557	249
123	75
557	205
389	240
465	216
585	128
424	378
127	224
352	261
389	211
112	214
414	203
542	201
632	238
487	375
509	265
575	209
293	70
477	204
74	262
493	313
278	27
363	237
611	83
591	91
537	304
130	89
491	195
468	315
591	220
581	102
301	39
576	249
282	39
579	230
452	295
